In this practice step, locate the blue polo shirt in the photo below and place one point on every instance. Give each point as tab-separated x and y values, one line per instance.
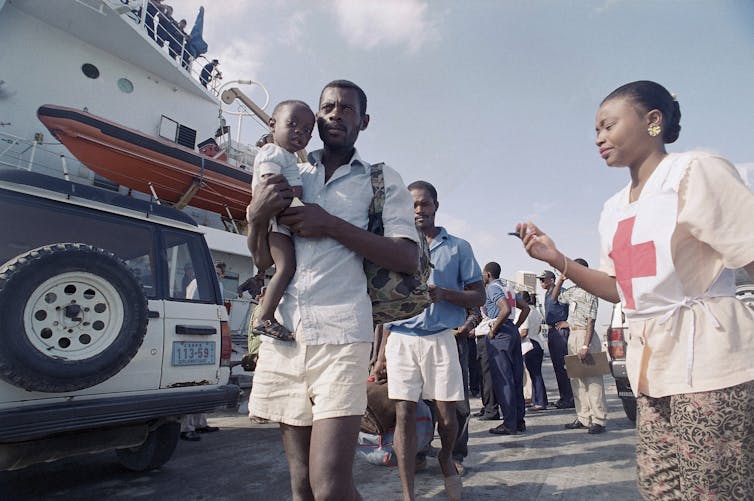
454	267
496	291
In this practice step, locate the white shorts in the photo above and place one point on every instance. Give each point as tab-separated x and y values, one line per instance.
424	367
298	384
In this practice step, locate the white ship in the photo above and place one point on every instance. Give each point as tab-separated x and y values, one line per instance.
113	59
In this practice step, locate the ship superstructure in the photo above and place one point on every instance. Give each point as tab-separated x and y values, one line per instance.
104	57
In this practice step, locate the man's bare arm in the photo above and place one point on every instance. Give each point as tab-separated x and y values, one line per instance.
504	310
270	196
556	288
257	241
589	331
472	295
584	350
379	370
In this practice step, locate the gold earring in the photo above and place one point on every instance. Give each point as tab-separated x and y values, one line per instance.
654	130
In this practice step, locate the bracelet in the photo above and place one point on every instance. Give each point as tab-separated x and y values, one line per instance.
585	347
565	265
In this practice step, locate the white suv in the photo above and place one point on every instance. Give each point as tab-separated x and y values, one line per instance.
101	346
617	333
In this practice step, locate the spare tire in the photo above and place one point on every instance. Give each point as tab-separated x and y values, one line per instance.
71	317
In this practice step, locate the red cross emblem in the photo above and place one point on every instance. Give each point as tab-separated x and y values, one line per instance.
631	261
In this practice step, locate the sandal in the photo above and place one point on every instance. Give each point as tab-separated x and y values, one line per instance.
273	329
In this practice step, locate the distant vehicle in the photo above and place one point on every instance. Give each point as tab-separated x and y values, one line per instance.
617	332
111	324
616	343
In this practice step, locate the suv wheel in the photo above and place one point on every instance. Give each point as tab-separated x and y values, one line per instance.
629	406
155	451
71	317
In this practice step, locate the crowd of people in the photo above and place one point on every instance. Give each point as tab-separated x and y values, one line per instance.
694	428
164	29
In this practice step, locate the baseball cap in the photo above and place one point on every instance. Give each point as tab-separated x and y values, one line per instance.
546	274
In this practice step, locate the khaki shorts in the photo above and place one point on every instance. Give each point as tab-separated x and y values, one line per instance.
298	384
423	366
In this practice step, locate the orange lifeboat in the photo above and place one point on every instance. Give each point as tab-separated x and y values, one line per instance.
141	162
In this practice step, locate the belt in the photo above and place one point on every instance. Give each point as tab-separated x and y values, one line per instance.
688	303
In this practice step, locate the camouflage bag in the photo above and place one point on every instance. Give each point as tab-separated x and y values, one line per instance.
394	295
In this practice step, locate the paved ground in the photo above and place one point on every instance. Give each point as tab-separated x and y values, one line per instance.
245	462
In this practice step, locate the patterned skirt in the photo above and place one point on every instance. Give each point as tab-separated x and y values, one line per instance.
697	445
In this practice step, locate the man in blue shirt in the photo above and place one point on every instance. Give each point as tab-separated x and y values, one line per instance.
556	316
504	350
421	354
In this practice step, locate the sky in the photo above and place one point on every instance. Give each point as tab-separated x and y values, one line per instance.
493	102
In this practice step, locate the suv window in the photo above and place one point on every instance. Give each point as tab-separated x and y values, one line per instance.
29	222
188	269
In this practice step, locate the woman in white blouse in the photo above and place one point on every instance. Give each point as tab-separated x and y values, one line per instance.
669	242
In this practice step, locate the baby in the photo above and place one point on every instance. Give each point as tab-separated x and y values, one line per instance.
291	127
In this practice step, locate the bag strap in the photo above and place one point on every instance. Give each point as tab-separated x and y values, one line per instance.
375	224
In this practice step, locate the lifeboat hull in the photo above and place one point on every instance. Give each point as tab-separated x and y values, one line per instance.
137	160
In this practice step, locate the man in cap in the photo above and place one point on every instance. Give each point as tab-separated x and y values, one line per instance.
206	75
588	392
556	316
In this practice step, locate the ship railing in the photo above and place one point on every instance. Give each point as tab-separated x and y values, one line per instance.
166	36
239	316
21	153
14	150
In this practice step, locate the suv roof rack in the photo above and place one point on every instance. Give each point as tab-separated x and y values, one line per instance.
92	193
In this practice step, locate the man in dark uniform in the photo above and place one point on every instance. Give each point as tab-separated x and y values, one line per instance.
504	350
556	315
206	75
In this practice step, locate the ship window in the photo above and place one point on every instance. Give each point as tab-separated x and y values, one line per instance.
90	70
125	85
168	128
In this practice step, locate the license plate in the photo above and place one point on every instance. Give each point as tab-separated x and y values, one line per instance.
193	353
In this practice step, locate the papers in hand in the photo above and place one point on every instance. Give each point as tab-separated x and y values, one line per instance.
595	365
296	202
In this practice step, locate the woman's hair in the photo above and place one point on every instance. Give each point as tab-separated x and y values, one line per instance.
653	96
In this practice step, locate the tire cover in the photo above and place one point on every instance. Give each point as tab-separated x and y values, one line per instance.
71	316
